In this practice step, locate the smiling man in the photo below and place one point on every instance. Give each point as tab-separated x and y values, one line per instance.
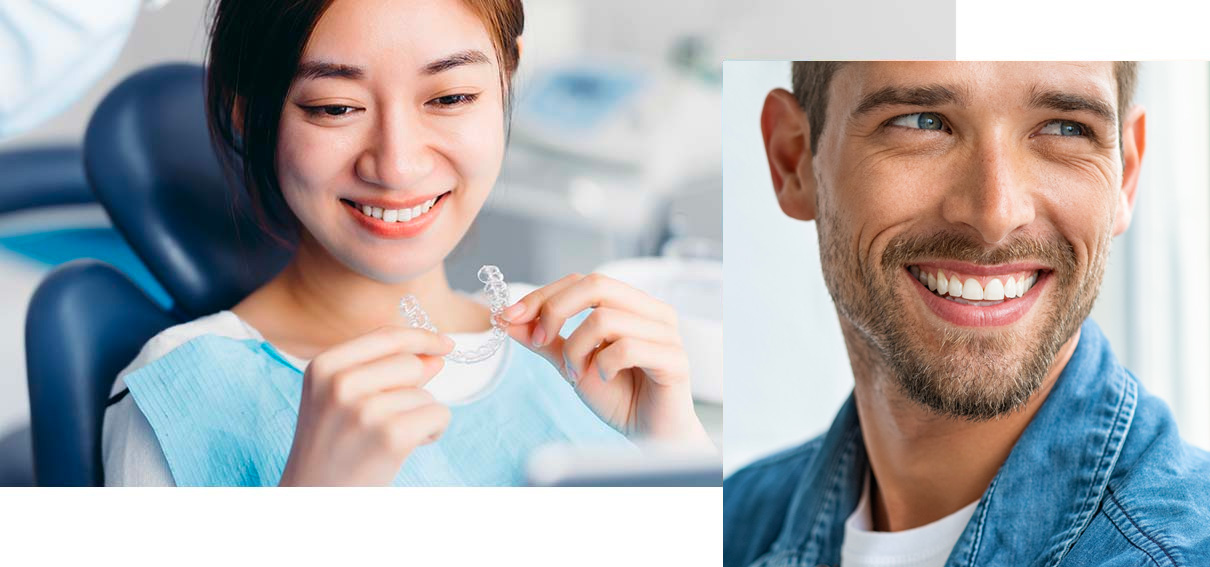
965	212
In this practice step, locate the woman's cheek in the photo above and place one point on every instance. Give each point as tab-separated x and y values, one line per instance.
475	145
310	162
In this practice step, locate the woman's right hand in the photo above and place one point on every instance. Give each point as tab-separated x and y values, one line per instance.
363	410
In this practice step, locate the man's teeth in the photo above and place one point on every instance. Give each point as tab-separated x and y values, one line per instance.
996	289
397	215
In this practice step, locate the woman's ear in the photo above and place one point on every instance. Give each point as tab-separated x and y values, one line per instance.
237	117
783	125
1134	139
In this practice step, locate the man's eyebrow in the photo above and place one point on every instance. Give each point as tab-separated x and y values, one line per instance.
1069	102
468	57
322	69
924	95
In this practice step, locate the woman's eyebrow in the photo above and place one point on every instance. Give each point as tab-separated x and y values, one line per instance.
468	57
324	69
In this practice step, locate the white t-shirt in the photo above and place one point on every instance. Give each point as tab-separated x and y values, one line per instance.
926	546
131	453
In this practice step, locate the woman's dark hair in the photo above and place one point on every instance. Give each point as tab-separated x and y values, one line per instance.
255	47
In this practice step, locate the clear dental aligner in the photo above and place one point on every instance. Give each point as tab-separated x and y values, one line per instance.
497	296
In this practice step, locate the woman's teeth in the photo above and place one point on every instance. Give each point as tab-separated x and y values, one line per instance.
396	215
954	287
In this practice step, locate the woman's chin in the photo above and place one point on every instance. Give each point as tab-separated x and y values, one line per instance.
397	272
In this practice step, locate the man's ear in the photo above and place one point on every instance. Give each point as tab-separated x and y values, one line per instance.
783	124
1134	139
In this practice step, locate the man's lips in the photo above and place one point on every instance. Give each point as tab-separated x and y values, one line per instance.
980	269
971	295
976	283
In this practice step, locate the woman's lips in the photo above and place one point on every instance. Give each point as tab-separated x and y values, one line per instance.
396	229
981	313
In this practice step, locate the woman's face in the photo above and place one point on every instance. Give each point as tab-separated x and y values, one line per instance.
396	109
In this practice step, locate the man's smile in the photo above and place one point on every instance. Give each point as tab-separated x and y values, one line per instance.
972	295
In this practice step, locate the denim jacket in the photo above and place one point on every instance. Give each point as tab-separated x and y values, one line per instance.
1099	477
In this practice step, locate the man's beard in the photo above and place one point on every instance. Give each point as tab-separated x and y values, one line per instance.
974	374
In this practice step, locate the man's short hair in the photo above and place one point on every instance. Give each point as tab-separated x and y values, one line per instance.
812	78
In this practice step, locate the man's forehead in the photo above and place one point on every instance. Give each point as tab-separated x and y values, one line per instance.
990	81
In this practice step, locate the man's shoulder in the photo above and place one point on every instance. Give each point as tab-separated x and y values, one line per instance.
1161	520
756	499
777	463
1158	497
1161	490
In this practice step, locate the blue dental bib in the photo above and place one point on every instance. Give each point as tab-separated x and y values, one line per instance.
224	411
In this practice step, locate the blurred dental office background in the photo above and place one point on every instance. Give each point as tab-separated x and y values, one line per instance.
613	164
787	371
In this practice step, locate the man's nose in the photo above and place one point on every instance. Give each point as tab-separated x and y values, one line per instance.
399	154
993	194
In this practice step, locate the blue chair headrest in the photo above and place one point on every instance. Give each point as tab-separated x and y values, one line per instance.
149	160
42	177
85	323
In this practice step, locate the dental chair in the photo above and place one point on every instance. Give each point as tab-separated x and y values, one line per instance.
42	177
149	161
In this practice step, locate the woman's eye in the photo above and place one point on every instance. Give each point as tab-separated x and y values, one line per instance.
454	100
1063	128
329	110
920	120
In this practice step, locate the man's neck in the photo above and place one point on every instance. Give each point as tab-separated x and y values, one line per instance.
927	466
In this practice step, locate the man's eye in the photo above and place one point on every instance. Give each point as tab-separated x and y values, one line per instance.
454	100
327	110
919	120
1064	128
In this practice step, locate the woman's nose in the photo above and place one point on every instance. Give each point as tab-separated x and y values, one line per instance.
994	194
399	155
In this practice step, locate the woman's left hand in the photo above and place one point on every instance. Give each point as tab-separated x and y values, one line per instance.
625	360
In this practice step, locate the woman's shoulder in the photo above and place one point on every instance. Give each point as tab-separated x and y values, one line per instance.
222	323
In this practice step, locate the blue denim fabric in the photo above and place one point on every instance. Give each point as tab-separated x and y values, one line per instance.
1099	477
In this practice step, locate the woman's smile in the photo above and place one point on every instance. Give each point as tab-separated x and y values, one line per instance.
396	219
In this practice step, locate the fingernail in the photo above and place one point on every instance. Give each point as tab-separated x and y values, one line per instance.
513	311
539	337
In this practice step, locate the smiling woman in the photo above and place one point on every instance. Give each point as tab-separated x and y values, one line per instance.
369	134
247	95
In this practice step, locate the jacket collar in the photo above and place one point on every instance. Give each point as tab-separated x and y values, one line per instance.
1043	497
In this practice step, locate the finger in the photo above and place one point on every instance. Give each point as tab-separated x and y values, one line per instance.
385	406
664	364
419	426
524	310
596	290
552	351
606	325
401	370
376	344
